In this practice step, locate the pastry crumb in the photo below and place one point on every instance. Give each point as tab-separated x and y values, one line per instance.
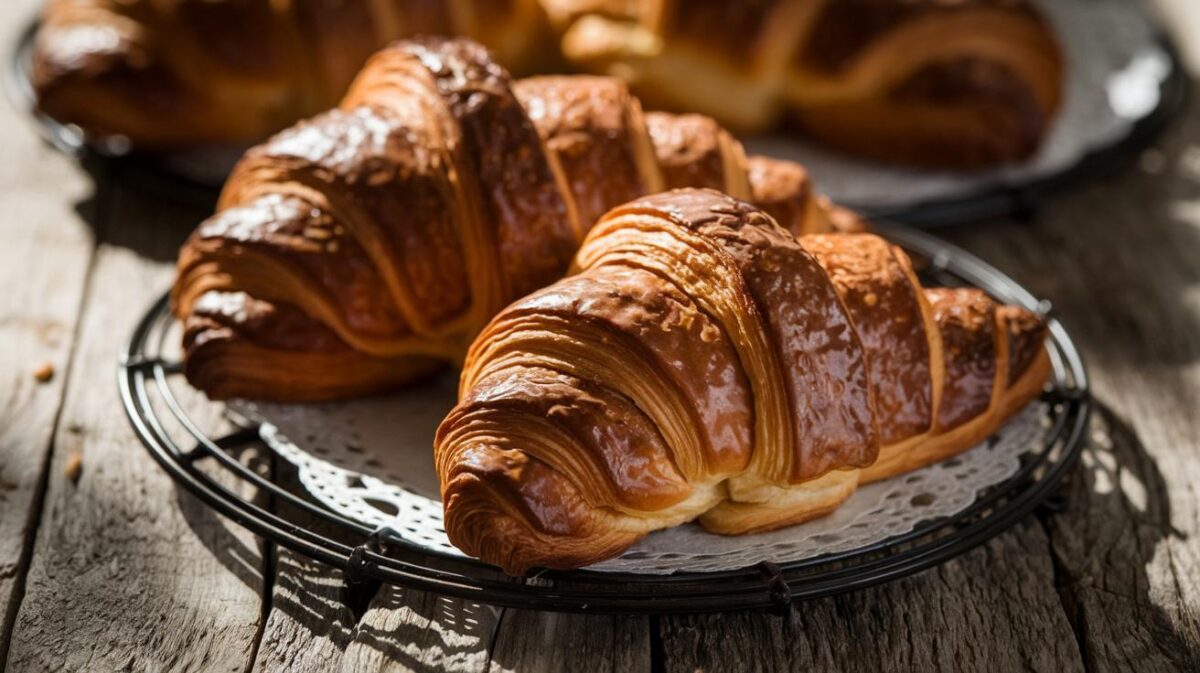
44	372
74	466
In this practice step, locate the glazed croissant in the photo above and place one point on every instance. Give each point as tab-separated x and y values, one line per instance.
932	82
705	364
169	73
361	249
958	84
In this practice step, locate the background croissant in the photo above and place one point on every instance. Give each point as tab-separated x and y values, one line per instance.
360	249
704	363
958	84
190	72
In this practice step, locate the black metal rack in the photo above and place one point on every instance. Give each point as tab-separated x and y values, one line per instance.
145	375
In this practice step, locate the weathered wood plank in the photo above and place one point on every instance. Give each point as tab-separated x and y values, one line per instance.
43	270
127	572
413	630
317	624
1119	261
546	641
1129	577
313	628
993	609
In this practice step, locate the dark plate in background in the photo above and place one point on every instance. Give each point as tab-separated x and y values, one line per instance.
1125	84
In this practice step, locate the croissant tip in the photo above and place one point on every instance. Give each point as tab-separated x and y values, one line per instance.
478	525
208	353
510	510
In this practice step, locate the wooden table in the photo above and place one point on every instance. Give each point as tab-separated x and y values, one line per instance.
106	566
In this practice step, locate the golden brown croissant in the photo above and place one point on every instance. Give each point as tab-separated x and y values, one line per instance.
188	72
958	83
358	250
947	83
704	363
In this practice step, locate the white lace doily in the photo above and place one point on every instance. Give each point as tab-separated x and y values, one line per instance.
1114	67
372	460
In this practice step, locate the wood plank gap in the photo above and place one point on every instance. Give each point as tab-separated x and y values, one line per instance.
268	586
491	646
267	572
129	571
1064	586
103	205
658	659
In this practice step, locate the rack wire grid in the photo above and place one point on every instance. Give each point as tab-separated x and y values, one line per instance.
147	380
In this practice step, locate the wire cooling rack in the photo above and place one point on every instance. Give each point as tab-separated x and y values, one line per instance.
150	384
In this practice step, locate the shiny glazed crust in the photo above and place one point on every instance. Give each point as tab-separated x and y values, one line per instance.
946	83
703	363
357	250
940	83
171	73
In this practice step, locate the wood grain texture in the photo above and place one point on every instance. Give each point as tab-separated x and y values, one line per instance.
980	612
43	270
127	572
313	626
319	623
543	641
1120	260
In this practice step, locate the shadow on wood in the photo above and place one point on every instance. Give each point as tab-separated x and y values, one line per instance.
1108	548
156	214
989	609
245	562
317	617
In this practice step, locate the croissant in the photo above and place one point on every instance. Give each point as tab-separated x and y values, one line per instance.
949	84
169	73
960	84
361	249
704	364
